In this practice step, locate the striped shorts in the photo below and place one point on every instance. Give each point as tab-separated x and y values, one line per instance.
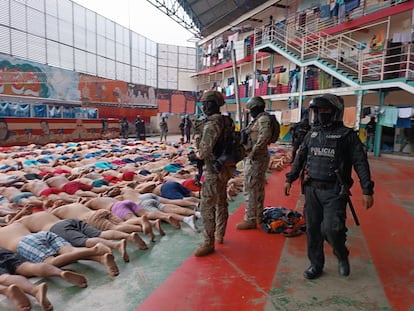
36	247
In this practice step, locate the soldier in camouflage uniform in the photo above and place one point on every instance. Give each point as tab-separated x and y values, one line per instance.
213	204
255	137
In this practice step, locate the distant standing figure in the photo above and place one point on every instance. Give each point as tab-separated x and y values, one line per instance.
370	133
298	134
140	128
182	123
163	129
124	128
188	125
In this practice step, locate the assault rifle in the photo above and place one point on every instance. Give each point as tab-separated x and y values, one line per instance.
346	193
200	163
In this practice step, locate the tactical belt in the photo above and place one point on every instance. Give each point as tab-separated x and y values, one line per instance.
324	185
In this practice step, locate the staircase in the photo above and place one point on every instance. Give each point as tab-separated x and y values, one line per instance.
340	55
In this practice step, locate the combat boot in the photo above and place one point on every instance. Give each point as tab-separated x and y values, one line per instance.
219	239
204	250
246	225
343	267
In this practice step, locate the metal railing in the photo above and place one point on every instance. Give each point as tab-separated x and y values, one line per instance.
348	56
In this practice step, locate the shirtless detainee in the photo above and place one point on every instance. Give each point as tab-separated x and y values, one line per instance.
105	220
14	270
129	210
81	234
47	247
20	198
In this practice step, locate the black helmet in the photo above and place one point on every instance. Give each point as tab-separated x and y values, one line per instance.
256	105
212	101
214	96
332	101
255	102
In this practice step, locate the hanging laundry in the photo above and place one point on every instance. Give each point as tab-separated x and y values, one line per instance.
406	112
389	117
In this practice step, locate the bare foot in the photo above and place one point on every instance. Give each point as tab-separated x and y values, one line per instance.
75	278
121	247
157	224
109	262
146	226
41	291
136	239
102	249
18	297
174	222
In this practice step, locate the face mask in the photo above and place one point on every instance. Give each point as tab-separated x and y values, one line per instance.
324	118
255	111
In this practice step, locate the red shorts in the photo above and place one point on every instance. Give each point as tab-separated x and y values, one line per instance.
49	191
73	186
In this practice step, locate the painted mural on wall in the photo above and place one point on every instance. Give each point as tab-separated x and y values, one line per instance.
173	101
42	131
25	78
99	90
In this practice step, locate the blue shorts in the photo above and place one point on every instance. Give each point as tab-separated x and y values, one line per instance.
36	247
24	195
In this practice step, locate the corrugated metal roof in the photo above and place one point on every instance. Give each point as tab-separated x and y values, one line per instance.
205	17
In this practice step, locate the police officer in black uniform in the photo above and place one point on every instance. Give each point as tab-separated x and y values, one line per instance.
329	146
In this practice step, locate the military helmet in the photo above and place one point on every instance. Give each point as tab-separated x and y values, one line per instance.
332	101
213	96
255	102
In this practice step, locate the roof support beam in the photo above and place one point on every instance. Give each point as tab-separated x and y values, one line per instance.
180	12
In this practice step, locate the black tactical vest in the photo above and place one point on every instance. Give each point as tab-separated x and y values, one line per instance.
326	151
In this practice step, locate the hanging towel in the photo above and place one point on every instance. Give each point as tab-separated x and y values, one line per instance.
406	112
350	116
389	117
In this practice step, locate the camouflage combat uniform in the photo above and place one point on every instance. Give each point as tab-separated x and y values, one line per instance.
214	207
255	166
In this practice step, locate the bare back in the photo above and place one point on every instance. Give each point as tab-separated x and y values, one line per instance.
41	221
35	186
57	181
10	235
73	210
9	192
101	203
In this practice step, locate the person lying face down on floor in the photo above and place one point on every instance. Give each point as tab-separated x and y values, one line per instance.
14	271
103	219
74	187
20	198
48	247
79	233
48	194
127	209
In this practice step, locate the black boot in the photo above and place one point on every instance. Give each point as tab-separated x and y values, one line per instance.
343	267
312	272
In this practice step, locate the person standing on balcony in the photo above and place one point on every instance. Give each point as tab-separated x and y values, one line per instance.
270	29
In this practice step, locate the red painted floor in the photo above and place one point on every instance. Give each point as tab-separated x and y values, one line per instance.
254	270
